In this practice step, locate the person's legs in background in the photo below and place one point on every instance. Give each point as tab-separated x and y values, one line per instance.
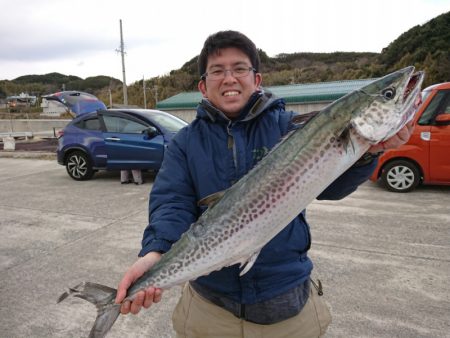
125	177
137	176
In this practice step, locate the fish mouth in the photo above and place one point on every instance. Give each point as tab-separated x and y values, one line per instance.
414	81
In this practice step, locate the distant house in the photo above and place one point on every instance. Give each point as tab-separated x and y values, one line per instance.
302	98
20	102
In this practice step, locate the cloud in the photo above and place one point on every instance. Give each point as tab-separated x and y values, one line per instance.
81	37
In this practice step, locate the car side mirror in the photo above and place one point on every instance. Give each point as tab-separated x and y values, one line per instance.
151	132
442	120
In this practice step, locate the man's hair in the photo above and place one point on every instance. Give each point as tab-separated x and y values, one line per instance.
228	39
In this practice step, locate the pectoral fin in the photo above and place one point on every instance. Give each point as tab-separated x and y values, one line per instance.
303	119
248	264
212	199
346	139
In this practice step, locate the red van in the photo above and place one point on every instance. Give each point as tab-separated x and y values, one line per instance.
426	157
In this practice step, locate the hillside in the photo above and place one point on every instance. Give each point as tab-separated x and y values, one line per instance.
425	46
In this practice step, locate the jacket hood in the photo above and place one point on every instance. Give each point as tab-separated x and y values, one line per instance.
256	105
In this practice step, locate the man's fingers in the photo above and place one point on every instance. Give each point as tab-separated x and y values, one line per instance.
121	293
119	296
158	296
122	289
143	299
400	138
136	305
401	135
149	295
410	125
125	308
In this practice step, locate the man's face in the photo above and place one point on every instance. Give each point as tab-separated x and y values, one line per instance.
229	94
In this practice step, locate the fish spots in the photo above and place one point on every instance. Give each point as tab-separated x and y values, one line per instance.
290	171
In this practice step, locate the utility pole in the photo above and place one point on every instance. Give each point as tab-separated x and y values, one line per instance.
156	95
122	52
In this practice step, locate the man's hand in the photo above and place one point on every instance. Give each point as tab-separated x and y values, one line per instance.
143	298
395	141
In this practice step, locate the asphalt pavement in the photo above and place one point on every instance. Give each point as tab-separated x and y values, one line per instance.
383	258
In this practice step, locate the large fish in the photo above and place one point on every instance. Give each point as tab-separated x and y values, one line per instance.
239	222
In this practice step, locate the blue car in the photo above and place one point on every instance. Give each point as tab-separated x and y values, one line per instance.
76	102
116	139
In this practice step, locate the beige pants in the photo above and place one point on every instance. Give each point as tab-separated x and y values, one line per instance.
196	317
125	176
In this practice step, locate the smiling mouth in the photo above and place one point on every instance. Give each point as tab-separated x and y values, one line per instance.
231	93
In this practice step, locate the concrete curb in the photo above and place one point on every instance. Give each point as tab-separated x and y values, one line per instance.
40	155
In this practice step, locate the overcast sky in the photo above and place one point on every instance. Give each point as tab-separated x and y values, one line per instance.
80	37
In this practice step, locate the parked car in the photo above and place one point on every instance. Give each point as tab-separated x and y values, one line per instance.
116	139
425	158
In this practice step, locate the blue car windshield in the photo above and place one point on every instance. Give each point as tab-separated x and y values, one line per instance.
168	122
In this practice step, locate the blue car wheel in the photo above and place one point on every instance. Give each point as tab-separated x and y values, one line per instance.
79	166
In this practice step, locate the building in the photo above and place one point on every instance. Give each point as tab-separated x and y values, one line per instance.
302	98
20	102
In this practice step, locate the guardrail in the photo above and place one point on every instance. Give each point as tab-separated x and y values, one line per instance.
17	134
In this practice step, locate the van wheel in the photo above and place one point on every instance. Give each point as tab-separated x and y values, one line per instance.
78	166
400	176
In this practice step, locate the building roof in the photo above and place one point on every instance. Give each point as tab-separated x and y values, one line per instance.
297	93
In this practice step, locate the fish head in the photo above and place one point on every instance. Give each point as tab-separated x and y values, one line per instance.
392	102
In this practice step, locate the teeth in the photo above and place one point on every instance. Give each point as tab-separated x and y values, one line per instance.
230	93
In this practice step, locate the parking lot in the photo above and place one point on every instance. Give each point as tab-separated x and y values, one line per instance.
383	258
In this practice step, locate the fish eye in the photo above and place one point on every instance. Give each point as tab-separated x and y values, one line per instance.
388	93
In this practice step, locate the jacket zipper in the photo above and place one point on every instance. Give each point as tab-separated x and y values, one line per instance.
232	145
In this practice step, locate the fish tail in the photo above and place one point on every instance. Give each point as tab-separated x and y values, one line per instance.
103	298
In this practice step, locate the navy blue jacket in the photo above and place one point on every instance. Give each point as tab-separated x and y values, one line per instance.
209	156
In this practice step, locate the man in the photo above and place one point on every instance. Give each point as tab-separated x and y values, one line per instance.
237	123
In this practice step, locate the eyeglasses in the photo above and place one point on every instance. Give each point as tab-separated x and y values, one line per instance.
220	74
